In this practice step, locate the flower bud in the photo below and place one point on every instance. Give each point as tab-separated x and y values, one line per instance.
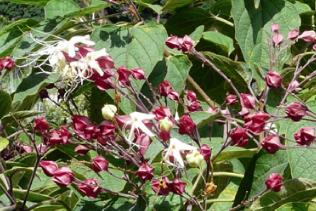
271	144
305	136
177	186
248	101
274	182
161	186
293	34
206	151
138	73
81	150
143	141
231	99
186	44
145	171
275	27
123	76
49	167
239	136
59	136
109	111
296	111
294	86
99	164
256	122
277	39
308	36
6	63
210	188
195	158
41	125
165	124
90	188
186	125
273	79
63	176
173	42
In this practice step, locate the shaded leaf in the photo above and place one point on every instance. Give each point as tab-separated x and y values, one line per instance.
220	39
5	105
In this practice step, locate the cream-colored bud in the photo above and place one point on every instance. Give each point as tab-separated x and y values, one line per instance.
109	111
195	159
165	124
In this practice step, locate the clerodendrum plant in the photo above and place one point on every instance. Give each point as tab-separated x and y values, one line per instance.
114	121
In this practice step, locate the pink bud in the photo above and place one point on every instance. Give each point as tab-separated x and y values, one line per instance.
63	176
277	39
296	111
294	86
105	132
123	76
177	186
145	171
231	99
256	122
90	188
162	112
248	101
165	88
186	43
105	62
173	42
49	167
81	150
102	82
273	79
239	136
271	144
293	34
192	103
308	36
99	164
186	125
41	125
161	186
6	63
305	136
275	27
173	95
83	127
138	73
274	182
206	151
143	141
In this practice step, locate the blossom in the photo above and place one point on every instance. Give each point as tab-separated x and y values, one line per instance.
239	136
206	151
256	122
166	90
275	27
143	142
173	152
138	73
99	164
161	186
192	103
277	39
186	125
83	127
63	176
59	136
81	150
305	136
6	63
136	122
195	158
273	79
274	182
248	101
271	144
162	112
177	186
145	171
296	111
109	111
41	125
89	187
49	167
231	99
293	34
308	36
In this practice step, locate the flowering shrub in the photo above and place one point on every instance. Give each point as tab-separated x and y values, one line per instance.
109	110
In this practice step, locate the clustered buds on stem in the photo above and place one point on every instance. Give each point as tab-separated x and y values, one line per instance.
274	182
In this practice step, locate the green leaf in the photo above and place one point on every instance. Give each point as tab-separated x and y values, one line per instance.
33	196
153	150
171	5
26	94
197	34
301	206
137	46
295	190
220	39
60	8
201	118
95	6
225	198
178	68
253	28
5	105
29	2
3	143
19	115
154	7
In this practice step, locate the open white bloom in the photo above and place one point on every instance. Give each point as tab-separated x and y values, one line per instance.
174	152
136	123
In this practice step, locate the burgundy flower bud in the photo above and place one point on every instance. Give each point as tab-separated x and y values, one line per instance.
186	44
256	122
143	141
293	34
296	111
90	188
26	148
166	90
122	119
275	27
162	112
177	186
186	125
7	63
164	135
274	182
60	136
42	148
41	125
206	151
271	144
239	136
305	136
248	101
161	186
81	150
43	94
173	42
106	132
173	95
105	62
294	86
277	39
273	79
63	176
103	83
99	164
138	73
231	99
308	36
83	127
49	167
192	103
145	171
123	76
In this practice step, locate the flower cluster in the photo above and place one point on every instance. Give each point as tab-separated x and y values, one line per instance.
6	63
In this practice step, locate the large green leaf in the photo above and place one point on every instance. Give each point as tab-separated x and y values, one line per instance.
5	105
29	2
296	190
60	8
171	5
3	143
253	27
137	46
221	40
